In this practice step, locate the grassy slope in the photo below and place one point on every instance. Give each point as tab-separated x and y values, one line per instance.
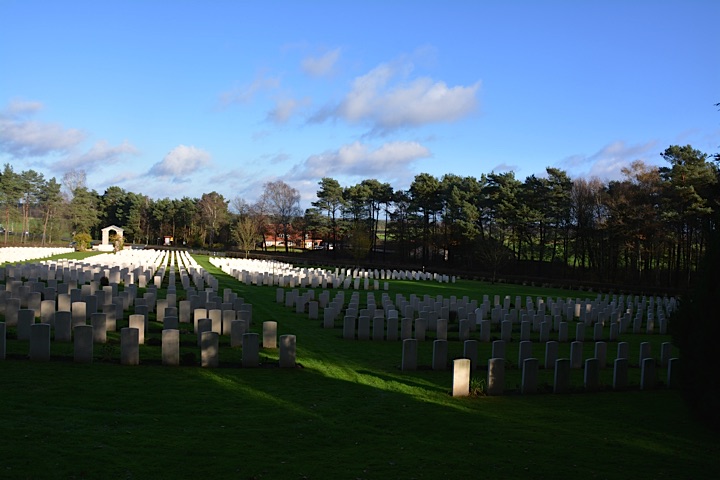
347	413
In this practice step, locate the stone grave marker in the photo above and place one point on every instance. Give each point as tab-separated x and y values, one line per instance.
461	377
98	325
171	323
529	376
47	312
496	376
40	342
250	350
592	375
498	349
269	339
406	328
524	352
409	354
25	319
237	330
620	373
215	315
378	328
288	351
601	354
420	329
644	352
623	350
561	378
63	326
648	378
209	349
83	344
137	321
576	354
551	353
129	346
440	354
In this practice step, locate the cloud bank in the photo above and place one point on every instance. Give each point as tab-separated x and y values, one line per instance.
24	138
101	154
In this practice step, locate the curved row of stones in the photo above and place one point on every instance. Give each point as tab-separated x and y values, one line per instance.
22	254
67	299
284	275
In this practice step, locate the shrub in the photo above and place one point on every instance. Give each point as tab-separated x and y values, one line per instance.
83	241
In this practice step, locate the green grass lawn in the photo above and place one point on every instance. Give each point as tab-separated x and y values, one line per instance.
346	412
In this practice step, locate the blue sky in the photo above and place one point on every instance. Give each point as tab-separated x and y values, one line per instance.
178	98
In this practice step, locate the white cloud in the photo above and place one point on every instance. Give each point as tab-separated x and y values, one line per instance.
386	104
357	159
99	155
246	93
321	66
23	138
180	162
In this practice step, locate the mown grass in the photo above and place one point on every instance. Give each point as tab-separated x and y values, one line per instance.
347	411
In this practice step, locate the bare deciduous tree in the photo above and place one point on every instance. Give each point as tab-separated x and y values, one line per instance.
284	204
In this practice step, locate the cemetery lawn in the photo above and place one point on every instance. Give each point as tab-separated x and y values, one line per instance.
346	412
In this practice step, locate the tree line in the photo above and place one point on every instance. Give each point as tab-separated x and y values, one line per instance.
649	228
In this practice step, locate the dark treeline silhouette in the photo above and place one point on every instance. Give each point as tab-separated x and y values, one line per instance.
649	229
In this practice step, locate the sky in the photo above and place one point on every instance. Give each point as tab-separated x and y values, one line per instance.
180	98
